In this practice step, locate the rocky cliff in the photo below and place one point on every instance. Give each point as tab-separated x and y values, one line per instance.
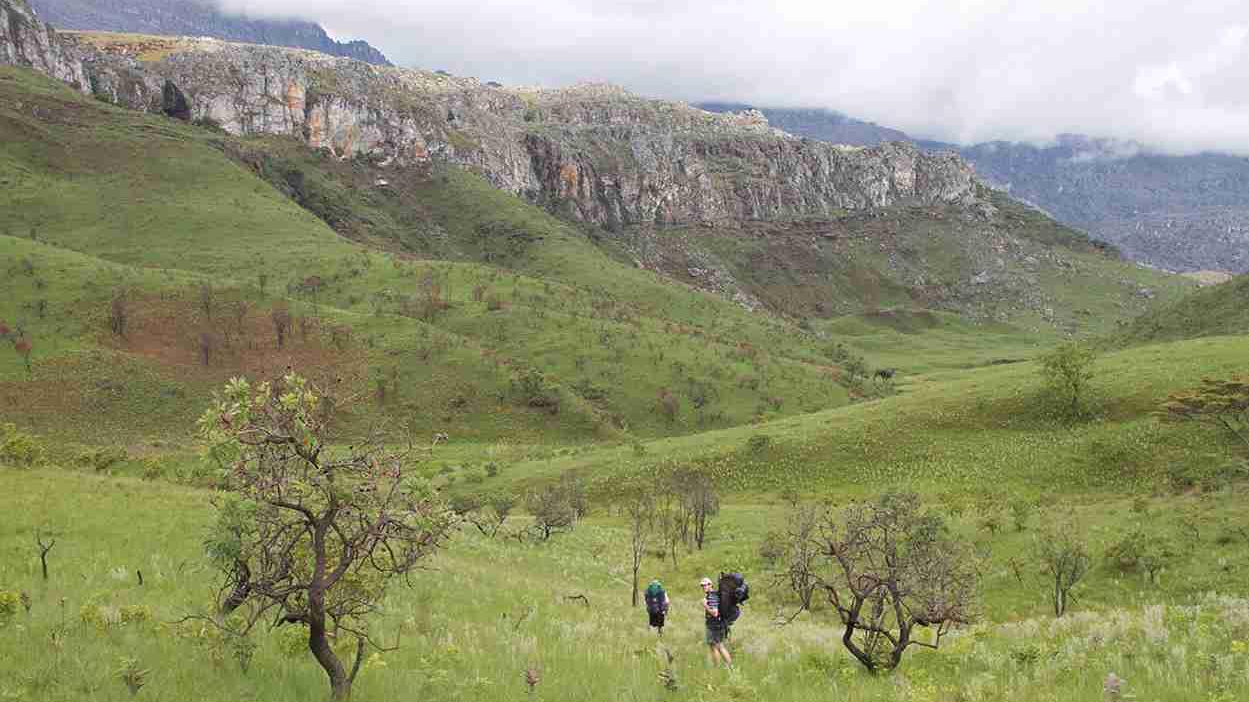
1182	213
595	153
27	41
197	18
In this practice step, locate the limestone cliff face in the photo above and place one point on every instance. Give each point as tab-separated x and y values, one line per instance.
26	41
594	152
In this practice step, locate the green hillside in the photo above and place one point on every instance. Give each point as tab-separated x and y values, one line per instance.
167	210
1211	311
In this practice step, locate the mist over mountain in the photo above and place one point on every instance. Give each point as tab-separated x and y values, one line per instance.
198	18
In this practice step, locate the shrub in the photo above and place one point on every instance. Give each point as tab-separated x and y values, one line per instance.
135	614
475	476
153	469
20	449
758	443
492	469
101	459
532	389
1068	370
9	602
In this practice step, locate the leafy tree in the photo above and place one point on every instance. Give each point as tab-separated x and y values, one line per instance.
1068	370
309	534
1223	403
552	510
1147	548
889	567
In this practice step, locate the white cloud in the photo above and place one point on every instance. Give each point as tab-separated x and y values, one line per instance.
1172	77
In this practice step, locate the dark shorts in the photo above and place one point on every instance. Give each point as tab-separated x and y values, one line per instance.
717	632
657	619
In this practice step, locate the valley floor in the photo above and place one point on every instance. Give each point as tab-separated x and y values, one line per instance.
489	610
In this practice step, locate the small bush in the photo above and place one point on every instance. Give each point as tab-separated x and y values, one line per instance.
758	443
492	469
135	614
153	469
101	459
20	449
9	602
475	476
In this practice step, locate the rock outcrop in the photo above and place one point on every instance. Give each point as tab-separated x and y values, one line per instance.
26	41
596	153
592	152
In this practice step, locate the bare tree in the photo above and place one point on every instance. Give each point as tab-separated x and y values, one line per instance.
207	299
699	500
314	532
281	318
670	524
638	505
1063	558
119	314
798	553
44	548
889	567
207	345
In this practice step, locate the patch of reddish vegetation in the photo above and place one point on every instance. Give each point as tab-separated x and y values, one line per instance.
231	337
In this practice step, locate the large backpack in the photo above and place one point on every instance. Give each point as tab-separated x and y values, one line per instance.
655	597
733	592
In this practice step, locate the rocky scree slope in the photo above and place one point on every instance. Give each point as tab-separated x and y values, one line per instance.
200	18
593	153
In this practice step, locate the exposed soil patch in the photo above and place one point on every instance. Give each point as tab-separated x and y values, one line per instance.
227	337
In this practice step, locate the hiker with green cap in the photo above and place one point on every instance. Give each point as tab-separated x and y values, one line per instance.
717	628
657	605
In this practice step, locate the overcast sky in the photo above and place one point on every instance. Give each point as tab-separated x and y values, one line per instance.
1173	75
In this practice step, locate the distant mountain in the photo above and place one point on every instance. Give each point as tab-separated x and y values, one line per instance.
1183	213
825	125
197	18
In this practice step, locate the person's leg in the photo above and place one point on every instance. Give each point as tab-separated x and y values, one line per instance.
713	656
724	655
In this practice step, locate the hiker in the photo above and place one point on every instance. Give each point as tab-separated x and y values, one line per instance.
716	627
657	605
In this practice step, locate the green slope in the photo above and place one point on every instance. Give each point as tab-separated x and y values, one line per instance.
980	430
167	208
1217	309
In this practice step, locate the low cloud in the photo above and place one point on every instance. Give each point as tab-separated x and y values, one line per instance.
1174	78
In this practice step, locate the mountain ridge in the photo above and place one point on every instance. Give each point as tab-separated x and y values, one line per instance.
198	18
1182	213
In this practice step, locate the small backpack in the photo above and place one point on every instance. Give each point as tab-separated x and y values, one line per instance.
655	597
